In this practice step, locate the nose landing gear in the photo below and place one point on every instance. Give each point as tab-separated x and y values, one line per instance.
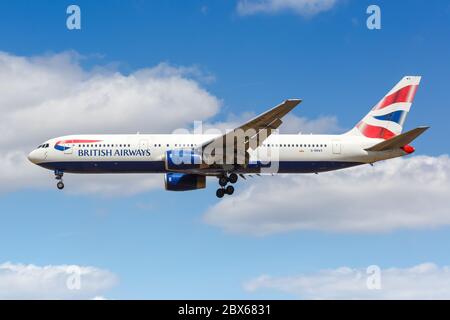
224	189
58	176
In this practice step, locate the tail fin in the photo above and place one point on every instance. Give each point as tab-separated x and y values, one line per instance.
387	117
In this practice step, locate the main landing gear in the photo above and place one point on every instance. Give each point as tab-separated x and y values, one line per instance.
58	176
224	189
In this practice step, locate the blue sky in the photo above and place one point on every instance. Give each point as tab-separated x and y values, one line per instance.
158	243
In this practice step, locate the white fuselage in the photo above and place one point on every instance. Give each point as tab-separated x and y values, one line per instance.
145	153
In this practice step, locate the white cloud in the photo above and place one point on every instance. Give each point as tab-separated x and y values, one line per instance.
292	124
401	193
20	281
323	125
47	96
423	281
301	7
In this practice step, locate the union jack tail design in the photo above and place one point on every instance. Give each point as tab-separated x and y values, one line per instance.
387	117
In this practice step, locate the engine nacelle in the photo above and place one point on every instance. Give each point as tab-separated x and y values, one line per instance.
182	159
175	181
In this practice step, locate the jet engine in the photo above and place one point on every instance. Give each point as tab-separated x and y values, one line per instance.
175	181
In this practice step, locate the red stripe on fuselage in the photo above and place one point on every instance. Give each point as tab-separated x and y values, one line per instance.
405	94
77	141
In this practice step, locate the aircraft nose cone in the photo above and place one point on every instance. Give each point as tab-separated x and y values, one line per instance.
33	157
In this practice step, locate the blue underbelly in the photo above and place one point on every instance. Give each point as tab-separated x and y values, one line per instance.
158	166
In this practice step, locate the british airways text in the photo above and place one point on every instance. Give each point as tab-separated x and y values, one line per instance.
113	153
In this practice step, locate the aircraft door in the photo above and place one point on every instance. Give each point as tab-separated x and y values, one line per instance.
336	147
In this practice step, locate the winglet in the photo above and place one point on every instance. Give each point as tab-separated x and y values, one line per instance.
399	141
292	103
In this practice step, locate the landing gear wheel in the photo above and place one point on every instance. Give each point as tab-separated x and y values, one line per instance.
229	190
233	178
223	180
60	185
220	193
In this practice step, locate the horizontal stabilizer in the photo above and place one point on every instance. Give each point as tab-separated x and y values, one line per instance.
399	141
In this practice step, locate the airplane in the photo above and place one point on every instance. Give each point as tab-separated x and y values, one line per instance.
187	159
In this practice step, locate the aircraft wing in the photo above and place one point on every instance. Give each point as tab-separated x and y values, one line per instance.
259	127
